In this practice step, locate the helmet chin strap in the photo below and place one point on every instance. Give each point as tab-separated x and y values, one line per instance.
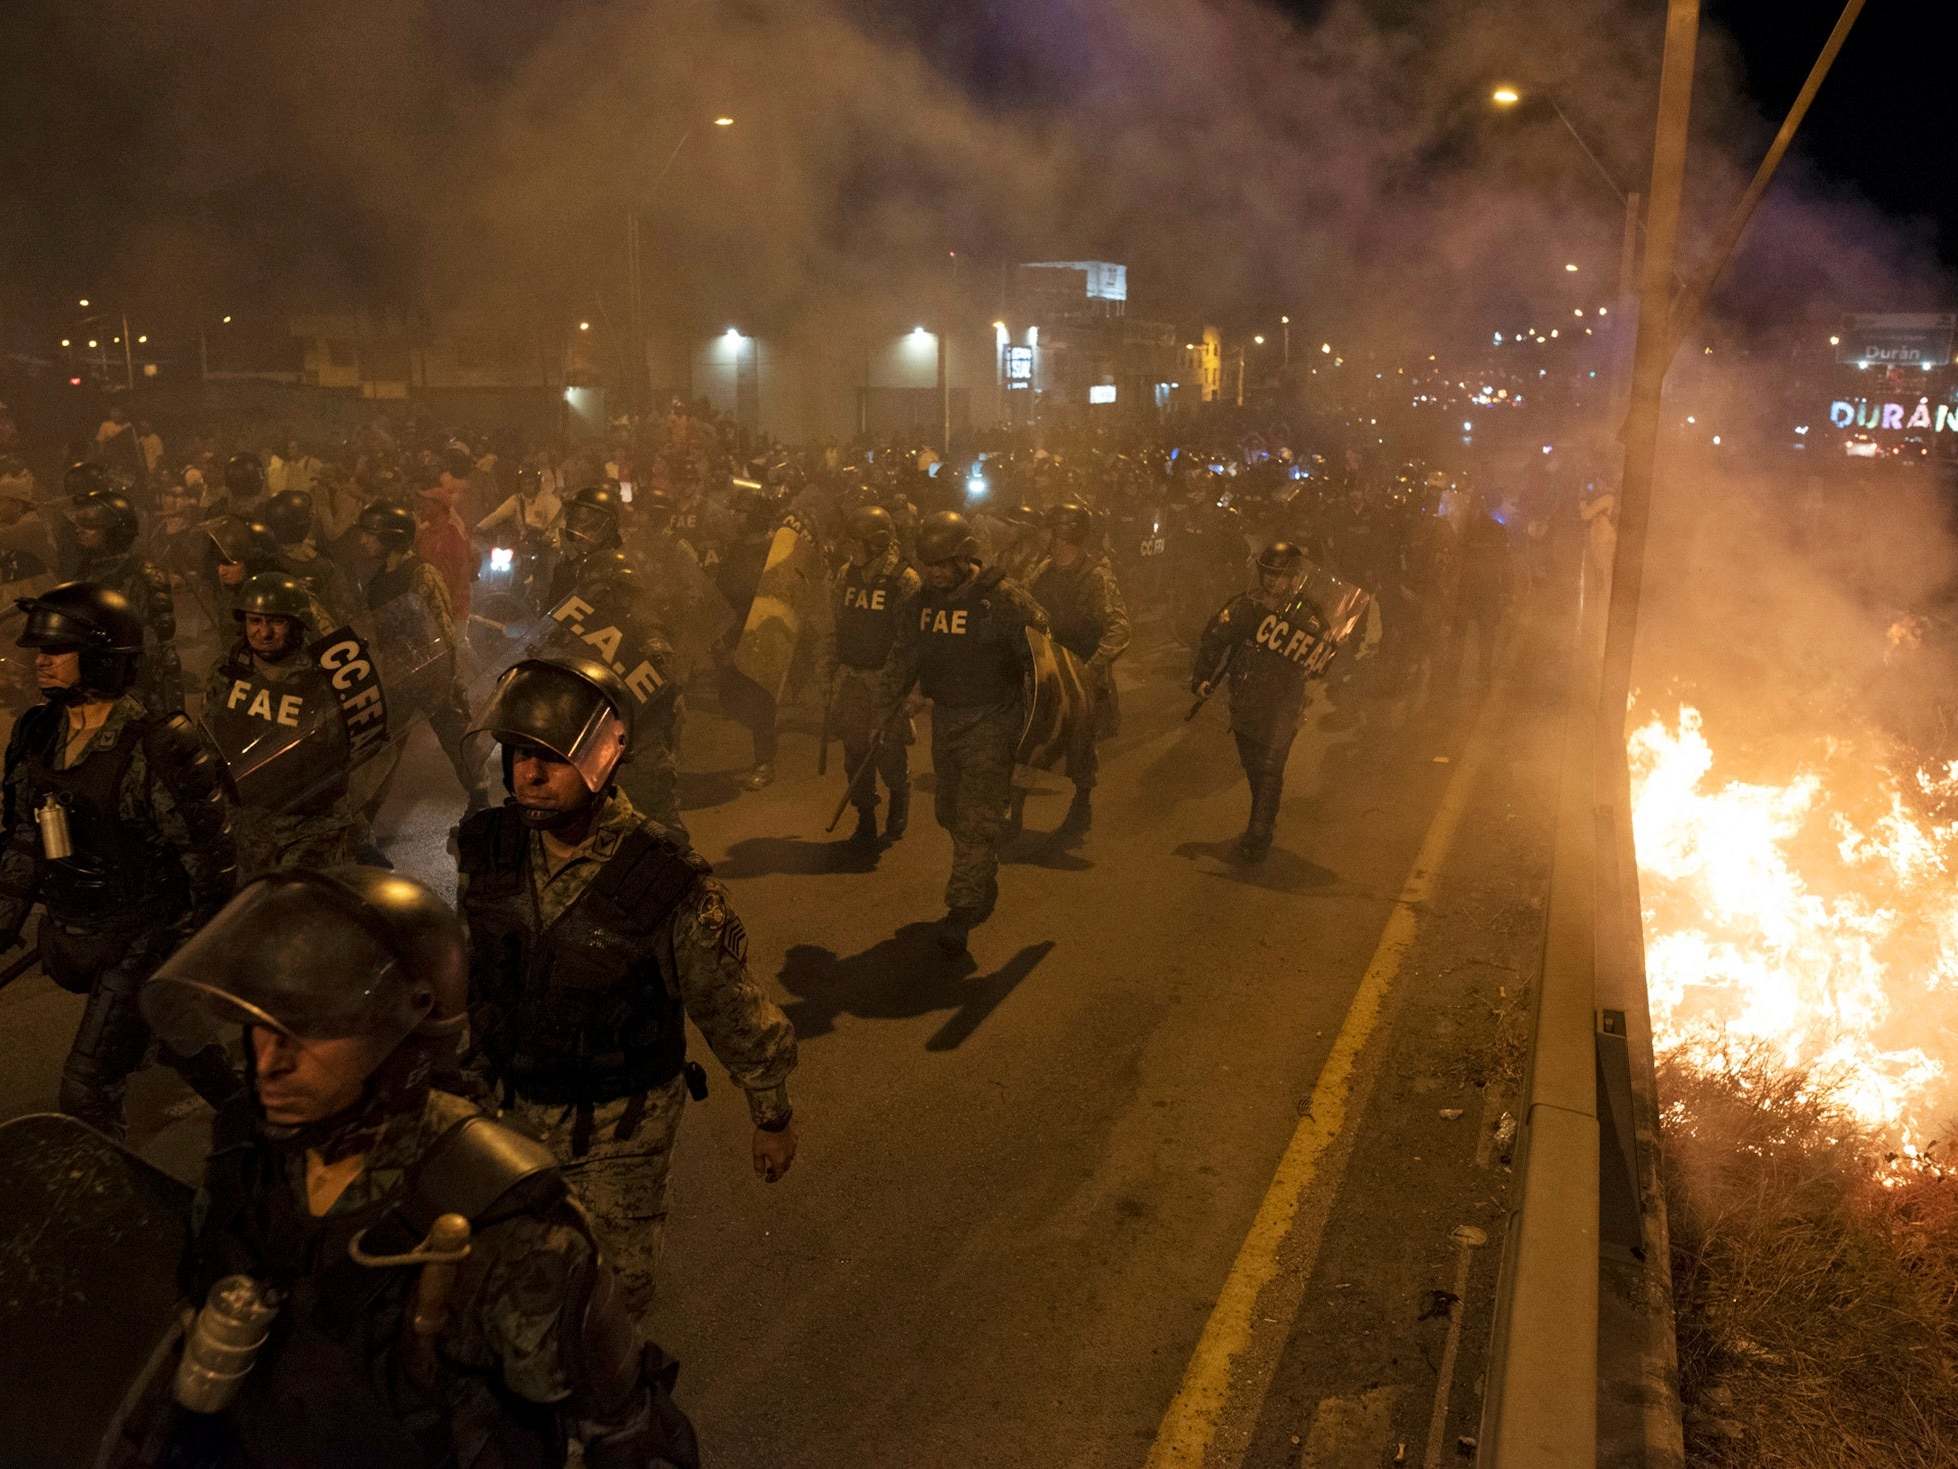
539	818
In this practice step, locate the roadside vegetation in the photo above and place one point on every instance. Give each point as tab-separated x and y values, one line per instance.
1816	1273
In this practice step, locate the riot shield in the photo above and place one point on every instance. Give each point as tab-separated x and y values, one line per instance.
1333	609
416	658
789	598
613	622
1059	702
90	1239
285	743
695	615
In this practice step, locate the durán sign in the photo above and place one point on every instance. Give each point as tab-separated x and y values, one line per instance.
1923	414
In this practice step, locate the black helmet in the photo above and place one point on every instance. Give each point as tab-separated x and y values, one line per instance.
244	477
1281	558
945	536
611	565
85	477
350	951
872	524
274	594
657	510
111	514
577	708
290	514
92	620
391	524
1071	521
1025	514
592	516
237	541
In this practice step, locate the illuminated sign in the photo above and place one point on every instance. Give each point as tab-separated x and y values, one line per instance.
1101	393
1864	414
1019	364
1896	340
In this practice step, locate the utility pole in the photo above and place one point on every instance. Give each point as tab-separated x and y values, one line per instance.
1653	352
128	357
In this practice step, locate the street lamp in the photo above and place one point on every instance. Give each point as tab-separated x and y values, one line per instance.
635	355
723	122
1505	96
1259	340
584	326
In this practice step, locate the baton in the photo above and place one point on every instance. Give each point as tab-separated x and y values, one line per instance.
869	761
1217	674
822	743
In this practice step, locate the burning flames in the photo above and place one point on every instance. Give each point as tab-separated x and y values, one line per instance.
1817	918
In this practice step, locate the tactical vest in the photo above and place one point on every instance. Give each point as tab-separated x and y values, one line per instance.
258	723
115	873
867	621
579	1013
969	654
1282	651
1063	595
330	1387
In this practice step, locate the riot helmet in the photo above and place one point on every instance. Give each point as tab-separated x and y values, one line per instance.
110	516
872	528
1071	521
244	477
390	524
345	953
576	708
1281	568
274	594
945	535
591	517
610	567
657	510
1025	515
85	477
290	515
94	621
236	541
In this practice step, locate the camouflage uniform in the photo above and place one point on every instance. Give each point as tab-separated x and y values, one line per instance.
153	858
967	650
330	585
517	1324
1085	606
617	1153
160	681
317	828
869	606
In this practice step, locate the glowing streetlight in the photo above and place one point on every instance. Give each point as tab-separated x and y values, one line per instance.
92	343
723	122
1835	341
1571	266
1259	340
1284	321
584	326
83	303
918	331
227	321
1505	96
64	341
142	339
1327	348
733	333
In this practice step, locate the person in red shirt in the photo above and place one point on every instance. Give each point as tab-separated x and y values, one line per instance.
443	540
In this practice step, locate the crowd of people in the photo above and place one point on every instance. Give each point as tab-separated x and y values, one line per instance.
227	650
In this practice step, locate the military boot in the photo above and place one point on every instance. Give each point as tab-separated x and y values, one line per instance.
899	816
762	775
866	833
1016	816
1080	812
955	927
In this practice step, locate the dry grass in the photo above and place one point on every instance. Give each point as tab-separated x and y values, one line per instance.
1818	1307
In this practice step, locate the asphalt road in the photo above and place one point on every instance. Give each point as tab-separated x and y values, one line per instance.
1034	1220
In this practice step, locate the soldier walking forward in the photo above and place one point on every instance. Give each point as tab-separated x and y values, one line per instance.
594	937
967	651
872	601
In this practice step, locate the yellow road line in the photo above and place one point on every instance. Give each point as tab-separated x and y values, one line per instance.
1188	1431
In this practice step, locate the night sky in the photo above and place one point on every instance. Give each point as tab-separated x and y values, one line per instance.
189	153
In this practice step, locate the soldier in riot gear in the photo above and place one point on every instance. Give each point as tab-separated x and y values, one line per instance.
289	516
1268	643
105	527
1076	587
116	823
244	487
592	520
238	549
594	937
871	602
966	649
272	709
417	641
325	1184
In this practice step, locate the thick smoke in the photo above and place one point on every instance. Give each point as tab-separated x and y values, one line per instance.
451	154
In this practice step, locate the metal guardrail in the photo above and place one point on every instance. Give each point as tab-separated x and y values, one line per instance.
1540	1408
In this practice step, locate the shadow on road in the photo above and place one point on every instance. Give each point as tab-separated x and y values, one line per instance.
794	857
900	978
1280	872
700	789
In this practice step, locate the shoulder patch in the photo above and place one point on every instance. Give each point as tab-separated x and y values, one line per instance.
718	919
